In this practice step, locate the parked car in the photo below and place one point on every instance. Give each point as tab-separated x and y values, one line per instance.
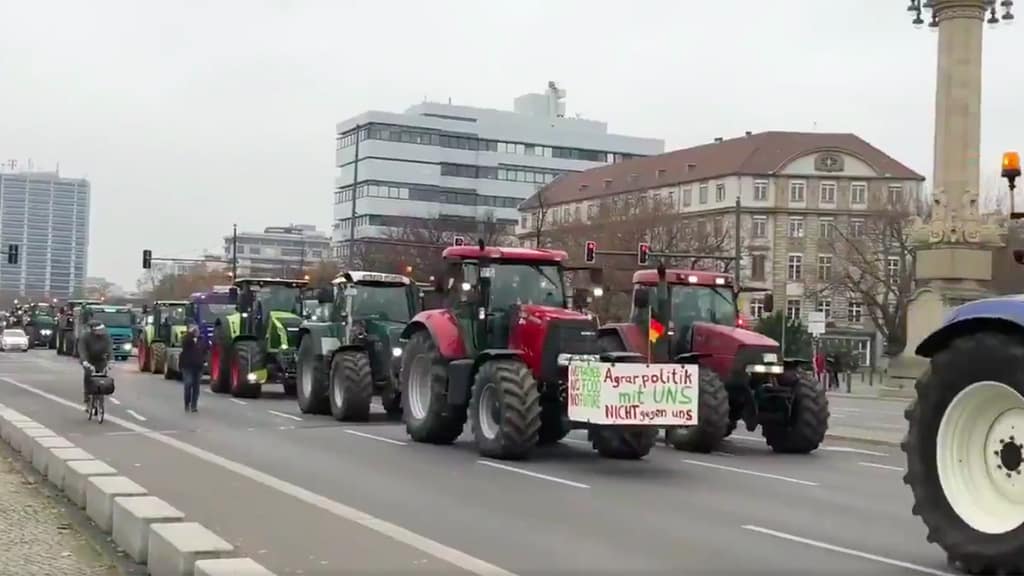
14	339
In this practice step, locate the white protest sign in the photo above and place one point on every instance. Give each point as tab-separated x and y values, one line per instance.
628	393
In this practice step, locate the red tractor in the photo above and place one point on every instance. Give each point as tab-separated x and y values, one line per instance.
741	376
499	353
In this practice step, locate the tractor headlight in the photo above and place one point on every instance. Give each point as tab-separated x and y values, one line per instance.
127	346
396	351
770	358
598	292
251	377
45	332
764	369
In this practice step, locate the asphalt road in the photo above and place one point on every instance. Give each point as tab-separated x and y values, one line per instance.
305	494
878	419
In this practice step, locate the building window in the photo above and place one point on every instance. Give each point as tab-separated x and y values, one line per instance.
858	193
824	305
827	191
717	227
719	192
797	192
757	268
892	269
757	308
591	211
796	227
703	192
825	226
523	220
895	194
856	228
824	267
793	308
687	196
795	267
760	189
854	311
861	348
760	227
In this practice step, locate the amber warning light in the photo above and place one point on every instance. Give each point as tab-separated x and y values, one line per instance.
1011	171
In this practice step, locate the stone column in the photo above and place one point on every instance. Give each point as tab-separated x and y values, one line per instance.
954	247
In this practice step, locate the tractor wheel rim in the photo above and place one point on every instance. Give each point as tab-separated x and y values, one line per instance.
488	412
979	449
419	387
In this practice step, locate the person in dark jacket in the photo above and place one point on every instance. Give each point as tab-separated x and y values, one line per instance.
191	364
94	350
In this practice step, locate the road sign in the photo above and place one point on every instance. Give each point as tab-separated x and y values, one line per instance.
816	317
816	323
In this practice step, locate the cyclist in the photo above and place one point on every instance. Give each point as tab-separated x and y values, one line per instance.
95	350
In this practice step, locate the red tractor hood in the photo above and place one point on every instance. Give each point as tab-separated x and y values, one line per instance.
740	336
545	313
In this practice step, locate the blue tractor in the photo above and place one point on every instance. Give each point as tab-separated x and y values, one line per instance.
965	442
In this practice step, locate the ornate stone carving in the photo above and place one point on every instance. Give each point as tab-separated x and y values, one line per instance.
955	9
956	224
828	162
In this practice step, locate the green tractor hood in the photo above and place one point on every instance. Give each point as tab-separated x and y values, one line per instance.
284	330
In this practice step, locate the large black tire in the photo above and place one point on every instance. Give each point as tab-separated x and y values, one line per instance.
967	360
713	422
159	355
247	357
290	388
391	400
554	423
505	388
220	362
311	378
351	386
439	423
808	420
623	442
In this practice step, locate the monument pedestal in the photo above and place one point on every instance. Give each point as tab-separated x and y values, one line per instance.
947	276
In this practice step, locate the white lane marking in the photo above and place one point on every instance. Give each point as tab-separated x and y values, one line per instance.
842	409
722	453
237	401
853	451
848	551
532	474
838	415
577	441
115	401
381	438
283	415
747	438
432	547
752	472
882	466
136	415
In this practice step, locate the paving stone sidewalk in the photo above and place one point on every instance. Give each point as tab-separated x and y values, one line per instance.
37	537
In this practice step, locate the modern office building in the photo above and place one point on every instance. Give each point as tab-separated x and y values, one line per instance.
449	169
805	199
47	216
279	251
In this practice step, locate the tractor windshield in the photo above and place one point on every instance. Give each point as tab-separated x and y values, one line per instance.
174	315
114	318
382	301
278	298
713	304
212	311
524	283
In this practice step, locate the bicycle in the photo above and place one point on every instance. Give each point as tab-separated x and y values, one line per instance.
101	384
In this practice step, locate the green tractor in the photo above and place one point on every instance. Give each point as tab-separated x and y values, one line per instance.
163	327
256	345
350	351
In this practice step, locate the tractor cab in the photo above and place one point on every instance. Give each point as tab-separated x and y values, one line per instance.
167	319
374	297
266	303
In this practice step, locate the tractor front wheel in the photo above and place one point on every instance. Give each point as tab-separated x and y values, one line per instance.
808	418
964	452
311	377
351	386
713	422
424	390
245	361
143	356
623	442
505	409
159	361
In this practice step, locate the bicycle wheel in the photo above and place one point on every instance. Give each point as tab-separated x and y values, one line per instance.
102	410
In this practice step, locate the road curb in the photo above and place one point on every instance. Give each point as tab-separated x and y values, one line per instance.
9	416
868	397
863	440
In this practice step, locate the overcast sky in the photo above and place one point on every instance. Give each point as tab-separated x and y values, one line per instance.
190	115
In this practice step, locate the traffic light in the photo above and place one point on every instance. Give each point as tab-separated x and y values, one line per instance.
459	241
12	253
147	259
590	252
643	253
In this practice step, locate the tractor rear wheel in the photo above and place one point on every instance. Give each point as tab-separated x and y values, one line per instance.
505	409
808	418
311	378
623	442
246	360
220	364
143	357
713	422
424	390
351	386
159	355
963	456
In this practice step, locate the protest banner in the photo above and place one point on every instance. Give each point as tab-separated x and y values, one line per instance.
633	393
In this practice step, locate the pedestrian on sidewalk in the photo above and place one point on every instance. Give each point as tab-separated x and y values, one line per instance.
191	364
819	369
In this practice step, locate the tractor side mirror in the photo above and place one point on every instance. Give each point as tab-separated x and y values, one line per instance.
769	302
325	296
1018	256
641	298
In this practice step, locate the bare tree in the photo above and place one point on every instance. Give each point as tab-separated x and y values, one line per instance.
538	220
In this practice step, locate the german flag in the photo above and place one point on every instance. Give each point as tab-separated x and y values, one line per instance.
655	330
